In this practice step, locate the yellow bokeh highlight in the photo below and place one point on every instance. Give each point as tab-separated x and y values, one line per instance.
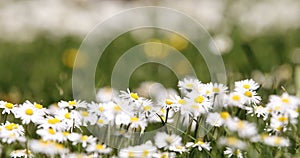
70	55
178	42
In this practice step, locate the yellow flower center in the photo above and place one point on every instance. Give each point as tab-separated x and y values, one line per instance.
283	118
199	99
248	94
224	115
53	121
147	108
200	142
277	140
169	140
285	100
279	128
59	146
100	121
189	85
51	131
169	102
237	152
179	147
38	106
134	119
131	154
240	124
65	133
181	101
146	152
84	138
134	96
236	98
196	107
85	113
246	86
72	103
68	115
164	156
117	108
99	147
9	105
11	126
29	112
101	108
232	140
216	89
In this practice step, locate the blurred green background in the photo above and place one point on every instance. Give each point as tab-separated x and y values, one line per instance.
39	68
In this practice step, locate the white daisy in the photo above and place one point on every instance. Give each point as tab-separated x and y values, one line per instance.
21	153
52	122
29	112
98	148
104	94
232	142
145	150
49	134
70	119
187	85
7	107
243	128
164	140
199	144
276	141
248	84
178	148
232	151
76	138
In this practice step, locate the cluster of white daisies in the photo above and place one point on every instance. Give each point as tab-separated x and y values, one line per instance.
31	130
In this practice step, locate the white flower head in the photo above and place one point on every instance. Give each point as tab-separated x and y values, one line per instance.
164	140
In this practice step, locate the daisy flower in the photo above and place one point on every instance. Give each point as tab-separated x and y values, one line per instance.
215	119
187	85
11	128
164	155
164	140
137	123
232	142
236	99
199	144
11	137
29	112
276	141
104	94
246	85
130	96
145	150
7	107
198	104
87	117
251	97
243	128
232	151
170	104
71	104
49	148
50	135
259	111
70	118
76	138
98	148
178	148
21	153
52	122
